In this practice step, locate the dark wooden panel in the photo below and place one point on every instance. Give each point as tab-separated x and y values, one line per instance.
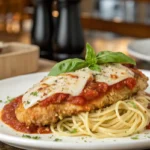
128	29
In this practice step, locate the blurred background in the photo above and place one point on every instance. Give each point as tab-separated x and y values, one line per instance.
100	19
61	28
104	22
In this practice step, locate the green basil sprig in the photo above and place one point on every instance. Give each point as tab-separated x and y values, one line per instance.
91	58
67	65
113	57
92	61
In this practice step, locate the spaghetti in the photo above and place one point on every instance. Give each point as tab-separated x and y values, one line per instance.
121	119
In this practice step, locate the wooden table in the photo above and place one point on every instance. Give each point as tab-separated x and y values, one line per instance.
45	65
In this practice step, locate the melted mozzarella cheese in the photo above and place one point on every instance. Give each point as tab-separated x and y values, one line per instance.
69	83
74	82
110	73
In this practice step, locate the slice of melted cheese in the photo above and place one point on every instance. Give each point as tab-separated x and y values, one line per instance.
74	82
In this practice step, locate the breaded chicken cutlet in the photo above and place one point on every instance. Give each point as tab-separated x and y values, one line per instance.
94	95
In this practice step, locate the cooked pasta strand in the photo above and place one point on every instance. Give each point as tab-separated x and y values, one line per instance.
121	119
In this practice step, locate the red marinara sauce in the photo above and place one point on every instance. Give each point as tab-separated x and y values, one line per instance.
91	91
8	116
148	126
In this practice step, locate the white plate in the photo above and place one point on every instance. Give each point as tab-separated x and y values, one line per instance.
16	86
140	49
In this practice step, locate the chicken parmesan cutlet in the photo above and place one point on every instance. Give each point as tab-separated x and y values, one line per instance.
57	97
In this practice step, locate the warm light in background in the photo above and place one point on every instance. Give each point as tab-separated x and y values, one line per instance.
16	27
117	19
13	23
115	45
55	13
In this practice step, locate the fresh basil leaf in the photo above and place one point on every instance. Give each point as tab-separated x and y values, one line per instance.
113	57
90	56
95	67
67	66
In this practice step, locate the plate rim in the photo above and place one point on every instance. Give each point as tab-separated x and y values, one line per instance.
60	145
136	54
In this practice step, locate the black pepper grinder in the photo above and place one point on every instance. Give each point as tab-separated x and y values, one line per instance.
69	40
42	29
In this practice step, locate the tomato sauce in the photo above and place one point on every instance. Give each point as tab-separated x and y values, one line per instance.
9	117
91	91
148	126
